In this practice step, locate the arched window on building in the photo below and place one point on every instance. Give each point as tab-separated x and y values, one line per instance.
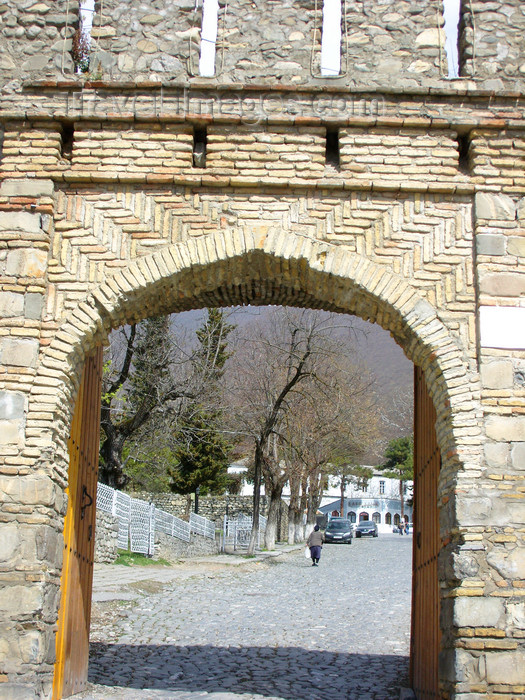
363	516
351	516
376	517
397	518
388	518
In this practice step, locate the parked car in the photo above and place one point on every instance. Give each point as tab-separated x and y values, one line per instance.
366	527
339	530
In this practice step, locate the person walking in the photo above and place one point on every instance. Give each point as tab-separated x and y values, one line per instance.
315	542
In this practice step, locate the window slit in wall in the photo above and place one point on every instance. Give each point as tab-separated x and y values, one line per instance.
82	37
200	139
451	12
332	148
209	29
68	136
331	38
463	141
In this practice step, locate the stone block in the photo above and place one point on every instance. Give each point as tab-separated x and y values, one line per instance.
26	262
496	454
478	612
33	305
11	304
521	209
490	244
468	668
19	352
498	374
473	509
20	600
500	207
17	691
510	565
49	543
10	432
517	455
432	37
506	428
506	284
516	246
27	490
10	541
19	221
12	405
507	668
27	188
516	614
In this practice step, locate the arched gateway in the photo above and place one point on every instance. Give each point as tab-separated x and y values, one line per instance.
264	267
276	167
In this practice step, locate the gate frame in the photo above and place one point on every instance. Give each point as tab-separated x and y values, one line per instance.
187	275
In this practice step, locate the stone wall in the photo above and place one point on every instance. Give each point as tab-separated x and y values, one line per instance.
106	538
383	45
214	507
105	220
491	41
172	549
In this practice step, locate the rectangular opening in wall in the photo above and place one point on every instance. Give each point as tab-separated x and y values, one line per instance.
332	148
82	38
331	38
463	141
209	29
200	139
68	136
451	10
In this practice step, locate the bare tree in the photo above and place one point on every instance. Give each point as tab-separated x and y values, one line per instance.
277	364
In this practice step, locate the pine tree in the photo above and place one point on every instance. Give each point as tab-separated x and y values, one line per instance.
399	464
202	453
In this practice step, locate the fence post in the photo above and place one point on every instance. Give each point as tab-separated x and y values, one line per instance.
114	503
151	530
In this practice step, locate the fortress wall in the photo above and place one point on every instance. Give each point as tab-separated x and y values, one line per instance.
384	45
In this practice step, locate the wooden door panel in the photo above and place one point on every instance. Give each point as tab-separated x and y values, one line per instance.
426	632
72	645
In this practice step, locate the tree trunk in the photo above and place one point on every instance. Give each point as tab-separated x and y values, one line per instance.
292	516
187	510
111	469
299	528
258	462
274	506
293	507
342	502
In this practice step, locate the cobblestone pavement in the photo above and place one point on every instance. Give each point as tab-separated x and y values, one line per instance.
263	630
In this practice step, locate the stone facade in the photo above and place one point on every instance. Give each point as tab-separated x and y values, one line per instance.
172	549
413	216
106	538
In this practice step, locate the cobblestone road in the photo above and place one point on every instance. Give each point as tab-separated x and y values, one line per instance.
272	629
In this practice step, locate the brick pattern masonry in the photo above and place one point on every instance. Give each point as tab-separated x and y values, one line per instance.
107	216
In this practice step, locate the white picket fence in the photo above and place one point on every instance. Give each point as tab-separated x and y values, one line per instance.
138	521
237	532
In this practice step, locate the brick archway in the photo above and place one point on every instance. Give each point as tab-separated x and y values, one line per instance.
235	267
229	268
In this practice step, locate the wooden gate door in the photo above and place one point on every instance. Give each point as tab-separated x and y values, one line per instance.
72	645
426	632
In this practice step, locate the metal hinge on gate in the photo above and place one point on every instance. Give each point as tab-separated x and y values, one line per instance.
83	505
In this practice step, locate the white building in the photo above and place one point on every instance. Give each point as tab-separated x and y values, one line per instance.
377	500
